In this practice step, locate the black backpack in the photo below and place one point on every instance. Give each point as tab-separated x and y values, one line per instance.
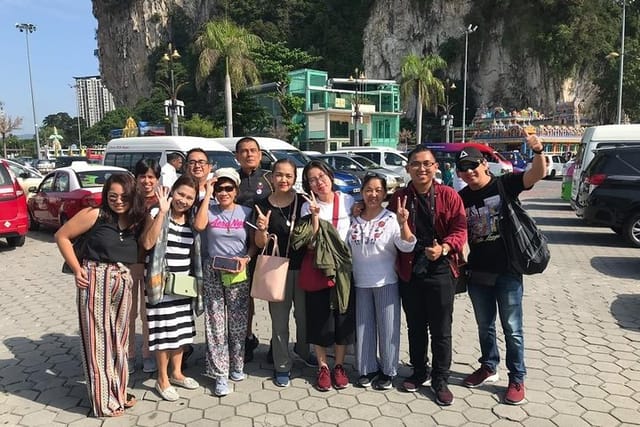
525	245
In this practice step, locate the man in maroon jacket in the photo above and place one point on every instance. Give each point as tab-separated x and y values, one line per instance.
427	289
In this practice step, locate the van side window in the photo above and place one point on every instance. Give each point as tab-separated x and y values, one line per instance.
129	160
393	159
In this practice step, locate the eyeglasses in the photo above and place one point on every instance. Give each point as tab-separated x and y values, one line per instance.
416	164
198	162
317	179
225	188
469	166
113	197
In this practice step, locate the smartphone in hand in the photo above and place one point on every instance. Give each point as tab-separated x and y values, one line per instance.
226	263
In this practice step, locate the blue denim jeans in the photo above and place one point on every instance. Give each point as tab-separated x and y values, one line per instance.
505	299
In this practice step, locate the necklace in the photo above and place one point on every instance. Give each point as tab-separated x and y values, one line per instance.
288	216
228	220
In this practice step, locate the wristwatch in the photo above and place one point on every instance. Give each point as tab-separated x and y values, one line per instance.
445	250
537	151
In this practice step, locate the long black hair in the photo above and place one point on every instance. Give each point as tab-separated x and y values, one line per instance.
136	212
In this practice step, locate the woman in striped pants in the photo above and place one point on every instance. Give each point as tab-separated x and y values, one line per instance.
375	238
104	289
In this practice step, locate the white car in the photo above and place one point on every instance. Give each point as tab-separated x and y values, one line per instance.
555	165
27	177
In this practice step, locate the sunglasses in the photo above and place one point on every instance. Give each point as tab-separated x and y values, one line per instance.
113	197
225	188
469	166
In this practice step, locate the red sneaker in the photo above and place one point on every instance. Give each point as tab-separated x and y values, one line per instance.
481	376
323	382
340	378
515	394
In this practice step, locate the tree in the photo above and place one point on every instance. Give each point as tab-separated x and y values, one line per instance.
275	61
197	126
224	39
418	78
7	125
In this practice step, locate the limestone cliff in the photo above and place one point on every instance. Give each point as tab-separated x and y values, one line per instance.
128	31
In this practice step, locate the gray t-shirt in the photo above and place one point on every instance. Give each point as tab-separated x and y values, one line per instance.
227	232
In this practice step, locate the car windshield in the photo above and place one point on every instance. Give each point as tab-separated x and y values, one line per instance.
94	178
296	156
367	163
222	159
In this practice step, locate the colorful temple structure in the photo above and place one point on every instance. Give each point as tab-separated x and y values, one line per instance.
505	131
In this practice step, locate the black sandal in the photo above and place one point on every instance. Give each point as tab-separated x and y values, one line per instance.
131	401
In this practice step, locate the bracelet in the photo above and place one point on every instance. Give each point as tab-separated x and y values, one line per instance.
537	151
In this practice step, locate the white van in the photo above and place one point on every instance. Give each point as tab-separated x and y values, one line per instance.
597	137
126	152
273	149
386	157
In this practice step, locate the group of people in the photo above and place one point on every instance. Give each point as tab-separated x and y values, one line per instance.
210	226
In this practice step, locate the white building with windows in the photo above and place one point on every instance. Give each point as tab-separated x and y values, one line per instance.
93	98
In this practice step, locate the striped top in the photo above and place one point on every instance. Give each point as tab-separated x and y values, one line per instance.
179	244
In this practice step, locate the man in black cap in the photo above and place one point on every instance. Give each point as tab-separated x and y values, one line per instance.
493	288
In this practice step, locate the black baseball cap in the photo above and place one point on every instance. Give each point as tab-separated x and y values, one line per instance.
469	154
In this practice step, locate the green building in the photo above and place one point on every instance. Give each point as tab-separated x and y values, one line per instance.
331	107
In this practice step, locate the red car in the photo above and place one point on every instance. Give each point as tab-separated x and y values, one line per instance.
14	219
65	191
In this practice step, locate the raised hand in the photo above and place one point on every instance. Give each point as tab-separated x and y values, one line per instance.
313	204
262	222
164	200
208	186
534	142
402	213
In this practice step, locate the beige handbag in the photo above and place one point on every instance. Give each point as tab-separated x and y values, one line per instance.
270	275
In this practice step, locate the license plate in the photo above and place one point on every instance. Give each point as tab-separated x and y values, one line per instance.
356	190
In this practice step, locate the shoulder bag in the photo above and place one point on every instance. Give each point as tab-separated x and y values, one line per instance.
311	279
525	245
80	247
181	285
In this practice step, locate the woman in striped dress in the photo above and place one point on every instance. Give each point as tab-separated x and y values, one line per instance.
171	322
104	286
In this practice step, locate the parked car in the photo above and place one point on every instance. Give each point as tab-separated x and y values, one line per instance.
13	208
555	165
610	191
516	158
386	157
359	166
27	176
65	191
44	165
64	161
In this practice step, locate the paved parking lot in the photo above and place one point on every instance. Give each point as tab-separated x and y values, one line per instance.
582	323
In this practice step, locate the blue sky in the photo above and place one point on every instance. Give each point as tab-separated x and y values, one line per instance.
61	48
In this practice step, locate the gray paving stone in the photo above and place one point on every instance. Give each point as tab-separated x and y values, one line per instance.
219	412
269	420
480	416
364	412
449	418
386	422
631	416
186	415
569	420
38	418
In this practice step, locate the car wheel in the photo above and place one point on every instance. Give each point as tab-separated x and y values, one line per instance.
16	241
63	219
33	224
631	229
552	174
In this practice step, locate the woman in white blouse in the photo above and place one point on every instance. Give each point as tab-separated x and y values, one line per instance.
375	237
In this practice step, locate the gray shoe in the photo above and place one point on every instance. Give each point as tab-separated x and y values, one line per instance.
149	365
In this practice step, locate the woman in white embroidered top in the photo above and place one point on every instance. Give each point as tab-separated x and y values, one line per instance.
375	238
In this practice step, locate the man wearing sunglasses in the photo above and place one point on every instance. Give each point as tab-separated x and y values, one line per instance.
493	289
427	289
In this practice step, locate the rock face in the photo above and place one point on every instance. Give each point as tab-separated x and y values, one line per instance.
499	70
128	31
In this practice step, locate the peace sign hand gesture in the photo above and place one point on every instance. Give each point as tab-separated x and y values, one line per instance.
262	221
313	204
164	199
402	213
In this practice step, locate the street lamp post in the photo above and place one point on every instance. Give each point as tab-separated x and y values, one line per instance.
357	116
169	57
446	119
28	29
624	3
470	29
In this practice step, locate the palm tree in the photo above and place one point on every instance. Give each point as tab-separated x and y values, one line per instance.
417	75
224	39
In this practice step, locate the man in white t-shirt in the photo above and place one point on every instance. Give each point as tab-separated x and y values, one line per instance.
168	173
